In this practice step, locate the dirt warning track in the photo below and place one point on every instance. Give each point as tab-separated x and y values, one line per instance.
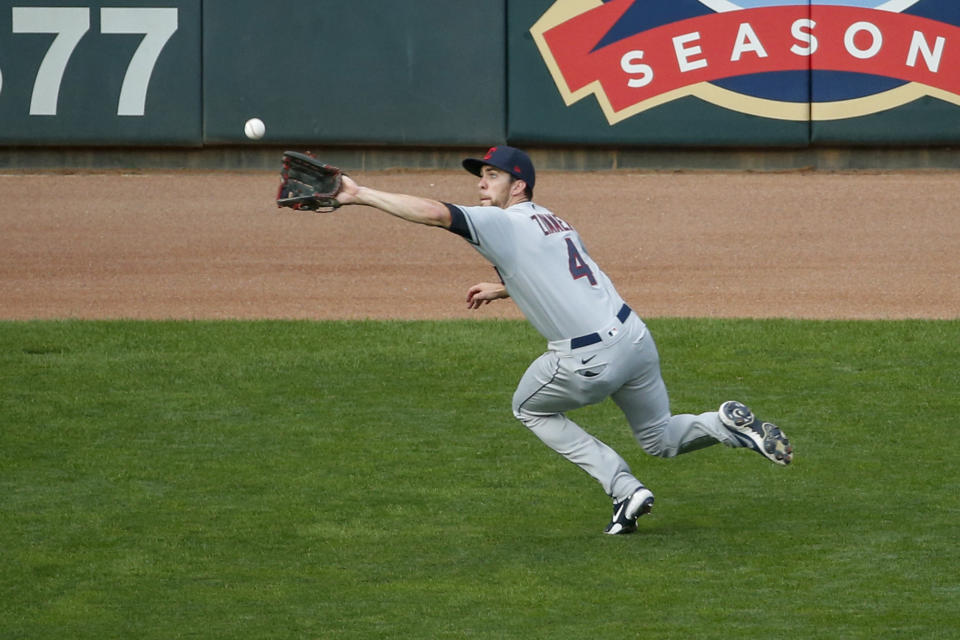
204	245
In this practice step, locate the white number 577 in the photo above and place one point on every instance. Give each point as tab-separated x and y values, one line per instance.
71	24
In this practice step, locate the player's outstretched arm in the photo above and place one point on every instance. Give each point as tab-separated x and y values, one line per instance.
412	208
484	292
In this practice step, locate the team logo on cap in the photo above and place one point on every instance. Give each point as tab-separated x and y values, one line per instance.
783	59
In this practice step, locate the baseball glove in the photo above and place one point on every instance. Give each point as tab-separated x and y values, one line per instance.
307	183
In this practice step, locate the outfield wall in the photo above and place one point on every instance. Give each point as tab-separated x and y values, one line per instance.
705	76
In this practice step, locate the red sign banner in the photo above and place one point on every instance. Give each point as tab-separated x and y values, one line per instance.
750	41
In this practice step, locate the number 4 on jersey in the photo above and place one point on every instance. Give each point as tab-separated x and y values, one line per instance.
578	268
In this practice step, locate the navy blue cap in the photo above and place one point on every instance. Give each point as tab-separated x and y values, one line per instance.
509	159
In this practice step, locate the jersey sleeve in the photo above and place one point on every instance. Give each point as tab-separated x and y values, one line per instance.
460	224
491	230
484	227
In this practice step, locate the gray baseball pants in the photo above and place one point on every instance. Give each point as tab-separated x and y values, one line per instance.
624	366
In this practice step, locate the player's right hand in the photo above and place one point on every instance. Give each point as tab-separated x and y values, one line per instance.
484	292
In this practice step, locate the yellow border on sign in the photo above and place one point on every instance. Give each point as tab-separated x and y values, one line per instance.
563	10
558	13
843	109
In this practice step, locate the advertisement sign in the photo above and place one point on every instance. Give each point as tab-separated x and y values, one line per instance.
819	60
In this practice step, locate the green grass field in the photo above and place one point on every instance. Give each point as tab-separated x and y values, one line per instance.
367	480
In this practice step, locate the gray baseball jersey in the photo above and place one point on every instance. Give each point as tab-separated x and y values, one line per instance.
544	266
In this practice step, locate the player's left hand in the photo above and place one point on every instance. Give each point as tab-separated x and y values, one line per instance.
308	184
348	190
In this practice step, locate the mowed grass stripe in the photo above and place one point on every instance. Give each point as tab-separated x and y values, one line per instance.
367	480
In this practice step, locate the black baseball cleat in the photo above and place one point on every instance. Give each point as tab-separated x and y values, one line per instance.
765	438
626	512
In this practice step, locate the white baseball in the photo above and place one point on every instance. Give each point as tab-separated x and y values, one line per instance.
254	128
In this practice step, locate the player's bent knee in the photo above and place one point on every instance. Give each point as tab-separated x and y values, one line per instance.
650	439
654	449
528	418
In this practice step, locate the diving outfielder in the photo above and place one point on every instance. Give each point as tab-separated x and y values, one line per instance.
597	346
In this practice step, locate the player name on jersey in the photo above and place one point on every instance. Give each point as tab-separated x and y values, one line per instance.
550	223
635	72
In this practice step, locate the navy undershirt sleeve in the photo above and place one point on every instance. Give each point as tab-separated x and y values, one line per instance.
458	221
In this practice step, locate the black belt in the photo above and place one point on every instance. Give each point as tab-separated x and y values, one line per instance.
594	338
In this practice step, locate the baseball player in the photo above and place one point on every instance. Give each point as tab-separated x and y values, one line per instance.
597	346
